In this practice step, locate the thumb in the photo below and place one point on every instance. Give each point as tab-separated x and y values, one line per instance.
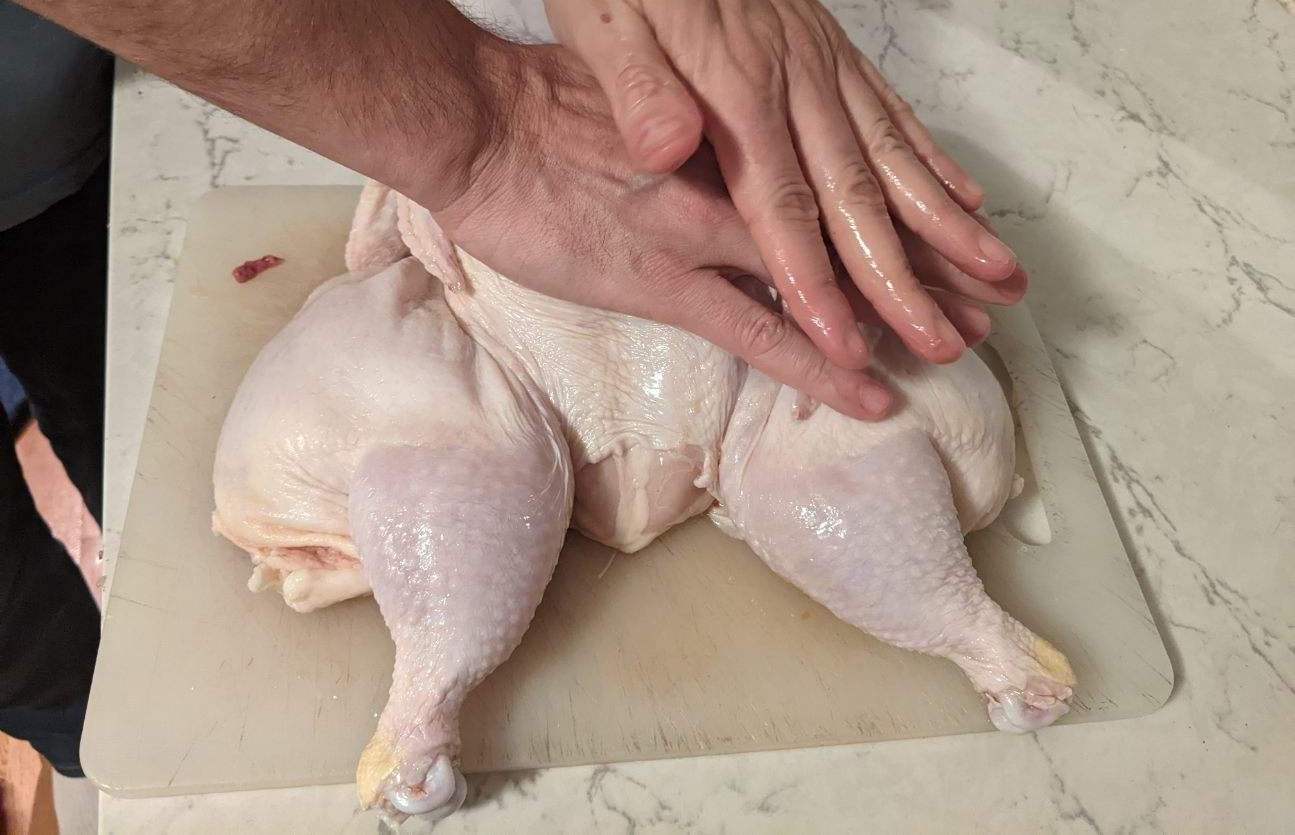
655	114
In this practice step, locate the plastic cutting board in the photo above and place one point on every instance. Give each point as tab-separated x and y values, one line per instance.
689	647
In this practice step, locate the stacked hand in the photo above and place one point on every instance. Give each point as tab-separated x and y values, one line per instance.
815	178
818	153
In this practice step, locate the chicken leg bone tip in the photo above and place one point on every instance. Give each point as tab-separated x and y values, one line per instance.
1018	711
435	793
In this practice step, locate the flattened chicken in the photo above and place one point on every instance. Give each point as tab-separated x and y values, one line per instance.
427	429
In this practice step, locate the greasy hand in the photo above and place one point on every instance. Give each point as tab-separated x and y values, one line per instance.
555	203
810	139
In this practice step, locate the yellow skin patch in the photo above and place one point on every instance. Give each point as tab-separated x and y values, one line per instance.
377	761
1054	662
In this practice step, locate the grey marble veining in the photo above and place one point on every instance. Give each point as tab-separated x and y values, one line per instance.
1140	157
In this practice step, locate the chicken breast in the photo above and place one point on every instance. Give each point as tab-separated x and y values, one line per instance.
643	406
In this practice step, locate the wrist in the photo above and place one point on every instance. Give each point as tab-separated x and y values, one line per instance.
540	106
463	111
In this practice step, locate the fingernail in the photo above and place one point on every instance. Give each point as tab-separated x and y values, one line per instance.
856	345
980	323
995	251
1024	279
951	344
974	191
875	399
1013	288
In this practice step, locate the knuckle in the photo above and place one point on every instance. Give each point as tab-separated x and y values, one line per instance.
762	333
812	370
766	30
791	200
858	187
811	50
757	69
804	41
882	139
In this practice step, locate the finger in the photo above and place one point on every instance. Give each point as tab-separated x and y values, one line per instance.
856	216
934	270
654	112
863	309
964	189
969	318
715	310
763	174
913	194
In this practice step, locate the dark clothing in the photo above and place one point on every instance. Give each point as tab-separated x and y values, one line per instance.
55	732
55	101
53	284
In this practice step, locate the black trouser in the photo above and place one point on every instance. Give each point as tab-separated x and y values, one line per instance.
53	283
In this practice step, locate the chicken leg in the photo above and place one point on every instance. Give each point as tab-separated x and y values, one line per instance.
871	531
458	563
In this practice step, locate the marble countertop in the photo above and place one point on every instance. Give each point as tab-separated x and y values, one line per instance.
1140	157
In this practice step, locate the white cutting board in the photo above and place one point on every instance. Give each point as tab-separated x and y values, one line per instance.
690	647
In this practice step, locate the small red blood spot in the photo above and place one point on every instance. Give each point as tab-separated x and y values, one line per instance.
249	270
605	18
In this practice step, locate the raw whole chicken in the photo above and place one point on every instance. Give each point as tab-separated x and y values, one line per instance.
427	430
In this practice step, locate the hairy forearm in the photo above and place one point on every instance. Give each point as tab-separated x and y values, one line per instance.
392	88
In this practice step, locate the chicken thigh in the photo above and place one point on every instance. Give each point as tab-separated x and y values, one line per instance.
427	429
868	519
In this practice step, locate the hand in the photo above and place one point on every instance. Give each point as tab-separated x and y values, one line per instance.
555	203
809	136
